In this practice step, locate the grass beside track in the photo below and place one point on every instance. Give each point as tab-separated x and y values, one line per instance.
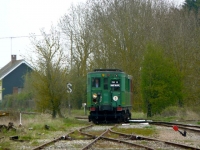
33	133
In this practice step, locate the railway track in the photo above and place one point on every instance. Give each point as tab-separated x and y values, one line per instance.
143	138
187	127
91	137
64	137
102	137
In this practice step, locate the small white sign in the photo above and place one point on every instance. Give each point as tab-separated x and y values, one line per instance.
115	98
69	87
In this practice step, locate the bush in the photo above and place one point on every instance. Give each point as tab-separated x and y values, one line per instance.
172	111
181	113
22	101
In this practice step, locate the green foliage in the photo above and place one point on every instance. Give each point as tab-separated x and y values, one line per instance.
113	34
22	101
170	111
4	145
137	115
161	82
174	111
48	81
192	5
78	96
147	131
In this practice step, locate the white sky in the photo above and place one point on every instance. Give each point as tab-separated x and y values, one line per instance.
23	17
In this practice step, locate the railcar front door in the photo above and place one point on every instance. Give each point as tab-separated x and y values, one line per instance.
115	92
105	104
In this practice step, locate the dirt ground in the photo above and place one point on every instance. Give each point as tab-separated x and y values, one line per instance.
168	134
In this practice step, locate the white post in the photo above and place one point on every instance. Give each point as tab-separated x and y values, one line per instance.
84	110
20	119
84	105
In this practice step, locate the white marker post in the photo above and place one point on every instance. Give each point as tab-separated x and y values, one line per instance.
20	119
84	105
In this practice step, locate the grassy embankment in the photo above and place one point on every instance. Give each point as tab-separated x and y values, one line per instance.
32	133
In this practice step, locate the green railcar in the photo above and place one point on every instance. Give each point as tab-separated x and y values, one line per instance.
109	95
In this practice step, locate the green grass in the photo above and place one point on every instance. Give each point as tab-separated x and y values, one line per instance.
33	129
147	131
4	145
79	112
165	119
26	137
138	115
77	135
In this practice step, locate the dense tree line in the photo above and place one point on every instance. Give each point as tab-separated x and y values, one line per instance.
114	34
161	82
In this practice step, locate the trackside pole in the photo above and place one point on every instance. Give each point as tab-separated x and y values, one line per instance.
69	90
20	118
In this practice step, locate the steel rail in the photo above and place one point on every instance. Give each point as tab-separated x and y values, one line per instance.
172	123
134	137
128	143
57	139
112	139
51	142
181	126
95	140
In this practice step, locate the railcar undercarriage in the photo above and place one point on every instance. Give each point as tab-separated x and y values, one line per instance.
109	116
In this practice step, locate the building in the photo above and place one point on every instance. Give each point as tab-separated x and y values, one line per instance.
12	76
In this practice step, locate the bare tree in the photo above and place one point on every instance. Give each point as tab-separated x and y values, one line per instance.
49	78
77	29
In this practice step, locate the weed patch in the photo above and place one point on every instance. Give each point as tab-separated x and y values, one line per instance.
137	131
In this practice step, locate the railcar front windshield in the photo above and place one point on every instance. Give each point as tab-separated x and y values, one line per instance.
115	85
96	82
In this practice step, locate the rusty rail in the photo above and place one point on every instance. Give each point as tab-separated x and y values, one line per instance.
111	139
194	128
57	139
134	137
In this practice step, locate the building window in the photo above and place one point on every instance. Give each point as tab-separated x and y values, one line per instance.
15	90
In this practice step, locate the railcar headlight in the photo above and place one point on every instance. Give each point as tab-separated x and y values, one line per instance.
94	96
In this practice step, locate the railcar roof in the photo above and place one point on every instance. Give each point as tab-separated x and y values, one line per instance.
115	70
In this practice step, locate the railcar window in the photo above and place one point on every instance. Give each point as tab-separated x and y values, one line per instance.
96	82
115	85
105	83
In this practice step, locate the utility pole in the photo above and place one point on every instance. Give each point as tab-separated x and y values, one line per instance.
69	90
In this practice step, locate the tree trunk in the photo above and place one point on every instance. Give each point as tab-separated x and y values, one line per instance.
149	110
60	114
54	113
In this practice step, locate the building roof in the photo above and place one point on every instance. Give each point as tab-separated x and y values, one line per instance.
12	65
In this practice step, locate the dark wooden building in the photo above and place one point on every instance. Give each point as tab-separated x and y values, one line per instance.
12	76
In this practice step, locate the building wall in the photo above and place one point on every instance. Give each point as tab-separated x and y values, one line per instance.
15	79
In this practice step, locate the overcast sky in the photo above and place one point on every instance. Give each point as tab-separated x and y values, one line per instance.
20	18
